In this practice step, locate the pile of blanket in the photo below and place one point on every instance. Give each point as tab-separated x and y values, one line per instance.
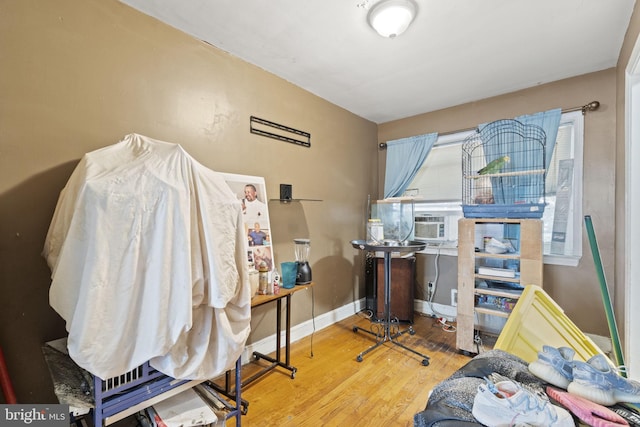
148	259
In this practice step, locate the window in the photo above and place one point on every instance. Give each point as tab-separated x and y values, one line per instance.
439	182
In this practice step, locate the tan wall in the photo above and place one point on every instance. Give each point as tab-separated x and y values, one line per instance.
575	289
78	75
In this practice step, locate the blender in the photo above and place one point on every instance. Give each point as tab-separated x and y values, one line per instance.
302	248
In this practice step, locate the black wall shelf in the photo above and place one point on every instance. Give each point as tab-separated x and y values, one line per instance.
294	200
286	192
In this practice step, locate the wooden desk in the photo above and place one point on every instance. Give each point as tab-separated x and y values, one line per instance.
259	300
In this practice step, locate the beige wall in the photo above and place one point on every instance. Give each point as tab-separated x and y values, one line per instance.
78	75
575	289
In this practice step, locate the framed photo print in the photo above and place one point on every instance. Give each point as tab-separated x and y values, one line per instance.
252	192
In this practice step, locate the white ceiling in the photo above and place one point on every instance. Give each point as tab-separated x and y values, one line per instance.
456	51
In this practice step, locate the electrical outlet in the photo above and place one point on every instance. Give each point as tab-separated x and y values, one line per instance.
429	290
454	297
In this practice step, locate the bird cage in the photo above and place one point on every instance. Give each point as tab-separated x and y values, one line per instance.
503	171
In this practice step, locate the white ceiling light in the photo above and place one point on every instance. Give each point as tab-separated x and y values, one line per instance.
390	18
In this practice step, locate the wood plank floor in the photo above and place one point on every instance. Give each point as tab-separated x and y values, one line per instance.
332	389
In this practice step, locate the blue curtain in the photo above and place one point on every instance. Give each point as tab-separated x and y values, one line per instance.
549	121
404	158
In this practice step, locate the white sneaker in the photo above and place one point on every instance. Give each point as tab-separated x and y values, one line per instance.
506	403
554	365
599	382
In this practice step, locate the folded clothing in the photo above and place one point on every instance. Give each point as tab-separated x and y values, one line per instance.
591	413
630	415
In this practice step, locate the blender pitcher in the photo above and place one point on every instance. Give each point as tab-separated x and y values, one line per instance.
302	249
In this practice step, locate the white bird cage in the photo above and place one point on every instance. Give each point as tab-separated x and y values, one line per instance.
515	187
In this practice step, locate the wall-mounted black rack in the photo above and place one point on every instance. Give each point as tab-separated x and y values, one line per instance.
266	128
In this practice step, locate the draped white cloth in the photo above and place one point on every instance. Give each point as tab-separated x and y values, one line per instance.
148	259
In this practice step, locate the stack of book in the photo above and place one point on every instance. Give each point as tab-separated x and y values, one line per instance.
497	272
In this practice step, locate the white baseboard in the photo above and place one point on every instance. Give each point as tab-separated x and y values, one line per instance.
437	310
267	345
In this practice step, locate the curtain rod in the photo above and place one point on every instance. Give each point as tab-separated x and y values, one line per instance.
592	106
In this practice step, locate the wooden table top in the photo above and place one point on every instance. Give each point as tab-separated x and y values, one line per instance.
263	299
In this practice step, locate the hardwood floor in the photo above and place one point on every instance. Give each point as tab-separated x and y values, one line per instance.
332	389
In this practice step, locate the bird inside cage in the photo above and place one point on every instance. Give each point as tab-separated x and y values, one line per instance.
495	166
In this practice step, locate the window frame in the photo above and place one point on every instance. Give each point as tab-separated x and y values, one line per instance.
576	120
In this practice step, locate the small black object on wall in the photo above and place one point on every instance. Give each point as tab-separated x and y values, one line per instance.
286	192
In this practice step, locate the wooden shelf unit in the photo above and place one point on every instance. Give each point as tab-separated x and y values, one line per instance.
528	260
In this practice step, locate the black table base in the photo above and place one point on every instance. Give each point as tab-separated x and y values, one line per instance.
387	323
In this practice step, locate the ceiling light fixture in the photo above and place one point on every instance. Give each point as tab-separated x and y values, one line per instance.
390	18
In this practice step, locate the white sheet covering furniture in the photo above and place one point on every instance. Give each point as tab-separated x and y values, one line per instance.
148	259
